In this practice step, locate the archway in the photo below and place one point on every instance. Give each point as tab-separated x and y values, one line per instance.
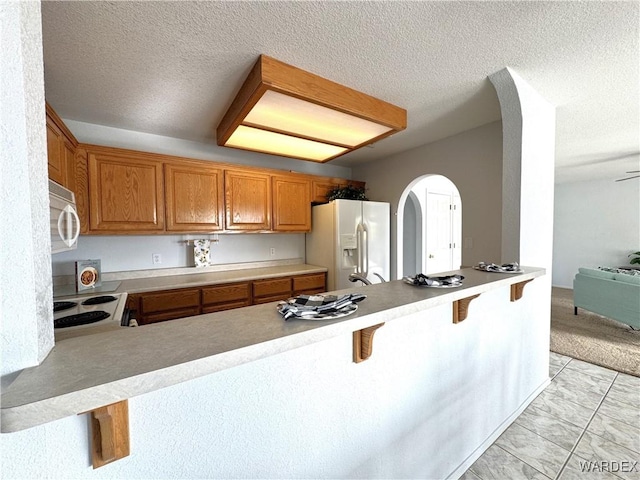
429	227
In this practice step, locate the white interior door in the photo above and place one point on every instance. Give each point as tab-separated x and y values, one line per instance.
439	233
456	232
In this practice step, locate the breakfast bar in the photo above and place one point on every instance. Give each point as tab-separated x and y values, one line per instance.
428	341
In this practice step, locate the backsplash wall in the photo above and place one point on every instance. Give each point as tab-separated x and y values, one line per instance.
130	252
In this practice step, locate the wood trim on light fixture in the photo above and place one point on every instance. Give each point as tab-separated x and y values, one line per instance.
271	74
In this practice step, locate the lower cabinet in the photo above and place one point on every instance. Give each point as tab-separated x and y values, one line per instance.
165	305
168	305
226	297
271	290
309	284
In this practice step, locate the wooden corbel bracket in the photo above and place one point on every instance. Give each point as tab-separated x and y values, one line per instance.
461	308
517	289
363	343
109	433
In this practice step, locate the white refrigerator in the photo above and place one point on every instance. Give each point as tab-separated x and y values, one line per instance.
350	236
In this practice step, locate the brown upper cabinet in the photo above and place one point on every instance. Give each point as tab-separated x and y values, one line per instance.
194	197
61	147
247	200
126	193
291	203
322	186
122	191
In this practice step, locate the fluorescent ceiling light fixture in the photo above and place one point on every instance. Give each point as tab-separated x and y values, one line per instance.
285	111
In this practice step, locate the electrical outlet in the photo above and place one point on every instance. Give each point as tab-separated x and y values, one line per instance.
272	251
156	258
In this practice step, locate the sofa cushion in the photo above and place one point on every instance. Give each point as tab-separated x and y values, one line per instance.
626	278
593	272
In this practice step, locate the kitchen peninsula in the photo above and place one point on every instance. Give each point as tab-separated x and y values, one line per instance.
428	379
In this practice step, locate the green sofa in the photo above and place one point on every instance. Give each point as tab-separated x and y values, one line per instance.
609	293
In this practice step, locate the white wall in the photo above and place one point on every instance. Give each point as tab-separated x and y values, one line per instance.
432	392
125	253
597	223
528	171
26	314
472	160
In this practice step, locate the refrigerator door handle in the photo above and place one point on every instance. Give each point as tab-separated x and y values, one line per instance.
363	249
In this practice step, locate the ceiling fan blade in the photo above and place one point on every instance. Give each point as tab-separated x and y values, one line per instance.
628	178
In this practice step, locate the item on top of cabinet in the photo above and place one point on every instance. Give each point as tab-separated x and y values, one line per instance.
504	268
88	274
347	192
201	252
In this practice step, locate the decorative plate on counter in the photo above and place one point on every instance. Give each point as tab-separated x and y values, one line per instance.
493	271
343	312
412	281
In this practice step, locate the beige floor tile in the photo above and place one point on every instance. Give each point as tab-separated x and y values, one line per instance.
625	394
571	387
629	381
536	451
598	449
469	475
591	369
552	428
616	431
622	412
562	408
499	464
557	357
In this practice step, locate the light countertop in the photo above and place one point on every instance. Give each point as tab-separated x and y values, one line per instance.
84	373
149	281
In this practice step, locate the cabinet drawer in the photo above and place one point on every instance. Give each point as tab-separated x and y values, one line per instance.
272	298
226	293
311	291
267	288
170	300
309	282
225	306
170	315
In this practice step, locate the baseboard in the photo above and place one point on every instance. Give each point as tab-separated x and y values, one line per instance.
477	453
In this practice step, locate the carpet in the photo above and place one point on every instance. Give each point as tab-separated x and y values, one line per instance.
592	337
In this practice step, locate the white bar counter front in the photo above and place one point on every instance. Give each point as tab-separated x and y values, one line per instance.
243	393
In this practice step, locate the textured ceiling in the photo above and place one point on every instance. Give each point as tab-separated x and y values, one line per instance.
172	68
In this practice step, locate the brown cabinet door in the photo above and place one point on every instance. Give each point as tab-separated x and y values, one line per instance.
170	315
220	307
168	305
248	200
169	300
291	204
315	282
55	154
126	193
272	298
234	293
321	187
270	287
194	196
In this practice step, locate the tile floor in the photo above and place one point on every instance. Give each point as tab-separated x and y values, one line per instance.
588	416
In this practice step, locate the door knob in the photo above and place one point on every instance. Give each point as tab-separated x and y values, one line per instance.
431	256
